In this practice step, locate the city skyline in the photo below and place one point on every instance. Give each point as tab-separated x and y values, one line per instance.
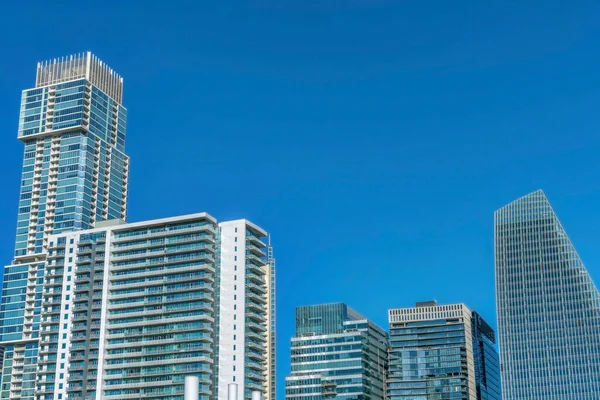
425	122
94	307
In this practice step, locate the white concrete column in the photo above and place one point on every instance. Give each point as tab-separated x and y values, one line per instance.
256	395
232	391
192	388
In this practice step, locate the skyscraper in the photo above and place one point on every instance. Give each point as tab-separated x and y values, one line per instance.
487	361
74	174
246	313
441	352
548	307
130	309
74	164
337	353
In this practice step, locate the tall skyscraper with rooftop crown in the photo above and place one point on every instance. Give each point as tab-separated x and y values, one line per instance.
74	164
548	307
74	174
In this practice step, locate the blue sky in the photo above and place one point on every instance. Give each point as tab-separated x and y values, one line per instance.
373	139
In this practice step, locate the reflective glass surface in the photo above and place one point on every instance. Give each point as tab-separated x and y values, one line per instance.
548	307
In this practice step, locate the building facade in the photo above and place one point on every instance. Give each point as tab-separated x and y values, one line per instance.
337	353
75	172
487	360
129	310
435	354
548	307
246	314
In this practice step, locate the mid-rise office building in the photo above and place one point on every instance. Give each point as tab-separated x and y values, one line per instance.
337	353
548	307
441	352
130	309
75	170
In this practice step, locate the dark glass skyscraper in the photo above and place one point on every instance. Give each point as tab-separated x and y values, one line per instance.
487	362
548	307
337	353
441	352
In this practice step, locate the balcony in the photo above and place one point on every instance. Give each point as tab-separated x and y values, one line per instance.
260	290
255	260
255	240
255	250
256	336
204	228
256	298
255	270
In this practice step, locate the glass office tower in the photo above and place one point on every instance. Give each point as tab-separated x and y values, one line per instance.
441	352
337	353
548	307
75	170
487	361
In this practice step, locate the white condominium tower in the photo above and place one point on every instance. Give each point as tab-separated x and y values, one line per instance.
129	310
246	311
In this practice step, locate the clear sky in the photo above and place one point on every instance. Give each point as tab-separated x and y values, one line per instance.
374	139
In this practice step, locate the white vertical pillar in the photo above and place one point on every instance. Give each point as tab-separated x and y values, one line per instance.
232	391
192	388
256	395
